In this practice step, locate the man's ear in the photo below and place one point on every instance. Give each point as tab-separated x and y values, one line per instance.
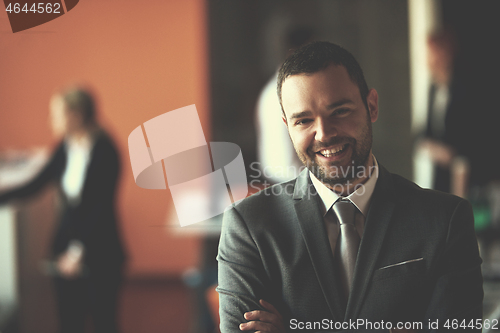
372	101
284	120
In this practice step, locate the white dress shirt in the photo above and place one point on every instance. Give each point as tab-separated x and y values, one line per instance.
78	158
77	162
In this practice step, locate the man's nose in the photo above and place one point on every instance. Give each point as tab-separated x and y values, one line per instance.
324	130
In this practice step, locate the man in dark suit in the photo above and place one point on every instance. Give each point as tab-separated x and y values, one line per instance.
347	246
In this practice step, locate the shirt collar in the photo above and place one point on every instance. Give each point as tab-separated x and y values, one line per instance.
360	198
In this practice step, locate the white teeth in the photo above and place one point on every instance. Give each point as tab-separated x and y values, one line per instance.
330	152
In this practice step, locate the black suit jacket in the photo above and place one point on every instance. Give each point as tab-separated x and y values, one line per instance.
92	220
418	259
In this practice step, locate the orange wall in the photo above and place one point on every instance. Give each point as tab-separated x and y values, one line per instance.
143	58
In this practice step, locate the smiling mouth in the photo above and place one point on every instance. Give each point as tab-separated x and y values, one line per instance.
333	151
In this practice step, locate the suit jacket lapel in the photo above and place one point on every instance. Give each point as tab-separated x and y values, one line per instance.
307	208
376	224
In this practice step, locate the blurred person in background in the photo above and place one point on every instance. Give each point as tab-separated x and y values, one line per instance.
460	130
441	48
275	153
86	247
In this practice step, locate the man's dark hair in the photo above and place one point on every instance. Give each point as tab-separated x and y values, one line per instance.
316	56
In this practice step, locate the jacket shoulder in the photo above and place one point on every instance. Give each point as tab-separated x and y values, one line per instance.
271	200
426	203
404	187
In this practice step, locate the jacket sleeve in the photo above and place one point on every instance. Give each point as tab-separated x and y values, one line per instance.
242	278
50	172
458	293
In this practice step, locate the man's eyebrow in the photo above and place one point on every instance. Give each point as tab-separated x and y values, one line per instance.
301	114
339	103
329	107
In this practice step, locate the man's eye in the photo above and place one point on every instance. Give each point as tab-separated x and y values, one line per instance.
302	121
341	112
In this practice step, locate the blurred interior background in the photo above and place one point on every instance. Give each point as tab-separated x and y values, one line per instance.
146	58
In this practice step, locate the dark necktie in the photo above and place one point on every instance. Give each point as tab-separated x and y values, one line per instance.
347	243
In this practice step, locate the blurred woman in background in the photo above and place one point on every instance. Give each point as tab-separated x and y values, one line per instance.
86	246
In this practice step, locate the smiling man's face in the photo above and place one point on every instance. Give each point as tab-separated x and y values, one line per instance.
329	125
